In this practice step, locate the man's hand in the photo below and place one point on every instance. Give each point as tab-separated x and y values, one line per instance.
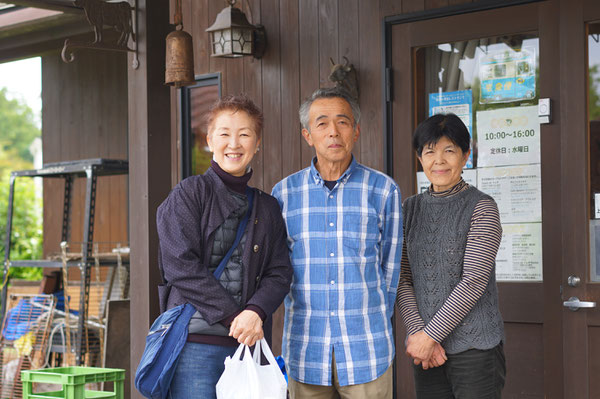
247	328
420	346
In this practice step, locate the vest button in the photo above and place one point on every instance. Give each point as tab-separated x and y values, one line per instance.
257	279
255	221
255	248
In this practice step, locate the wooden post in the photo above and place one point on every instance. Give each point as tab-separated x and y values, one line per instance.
149	167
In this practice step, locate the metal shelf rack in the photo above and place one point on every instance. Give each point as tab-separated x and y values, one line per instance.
90	169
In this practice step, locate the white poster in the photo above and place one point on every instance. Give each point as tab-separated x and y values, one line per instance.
508	136
516	189
520	254
468	175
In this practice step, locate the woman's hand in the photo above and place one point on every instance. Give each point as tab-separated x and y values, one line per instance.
247	328
420	346
438	358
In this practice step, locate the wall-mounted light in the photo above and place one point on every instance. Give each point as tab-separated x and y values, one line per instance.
233	36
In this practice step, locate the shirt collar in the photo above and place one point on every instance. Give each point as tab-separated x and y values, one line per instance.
318	180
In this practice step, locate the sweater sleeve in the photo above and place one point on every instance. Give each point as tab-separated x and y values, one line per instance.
483	241
405	297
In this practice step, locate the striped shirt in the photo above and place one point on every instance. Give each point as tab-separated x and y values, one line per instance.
345	247
483	241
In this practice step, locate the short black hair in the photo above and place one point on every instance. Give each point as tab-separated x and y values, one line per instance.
432	129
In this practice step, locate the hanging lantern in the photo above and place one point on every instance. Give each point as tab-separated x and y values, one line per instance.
233	36
179	55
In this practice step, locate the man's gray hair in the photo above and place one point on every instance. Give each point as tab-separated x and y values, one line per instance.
328	92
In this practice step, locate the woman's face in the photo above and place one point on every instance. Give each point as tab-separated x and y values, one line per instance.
443	163
233	141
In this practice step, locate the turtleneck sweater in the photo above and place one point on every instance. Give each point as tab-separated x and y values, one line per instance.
234	183
484	235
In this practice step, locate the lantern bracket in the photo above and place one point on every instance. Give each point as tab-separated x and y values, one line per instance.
121	16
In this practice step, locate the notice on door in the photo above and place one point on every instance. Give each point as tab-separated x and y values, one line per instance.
516	189
508	136
520	253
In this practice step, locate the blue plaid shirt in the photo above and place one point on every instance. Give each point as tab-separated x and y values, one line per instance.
345	246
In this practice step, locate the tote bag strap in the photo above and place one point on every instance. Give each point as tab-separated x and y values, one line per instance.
238	236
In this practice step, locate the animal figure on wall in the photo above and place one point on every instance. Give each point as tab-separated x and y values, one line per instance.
344	76
116	15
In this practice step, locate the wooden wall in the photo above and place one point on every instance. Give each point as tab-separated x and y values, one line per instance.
301	37
84	115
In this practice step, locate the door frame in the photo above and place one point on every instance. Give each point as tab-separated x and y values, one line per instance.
543	296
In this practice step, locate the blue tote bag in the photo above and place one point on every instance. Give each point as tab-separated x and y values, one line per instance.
164	343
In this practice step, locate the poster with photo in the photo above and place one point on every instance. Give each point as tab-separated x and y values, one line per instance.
508	136
516	189
507	75
520	253
458	103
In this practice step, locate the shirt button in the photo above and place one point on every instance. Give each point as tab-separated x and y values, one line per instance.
332	254
333	313
331	224
331	196
332	282
255	248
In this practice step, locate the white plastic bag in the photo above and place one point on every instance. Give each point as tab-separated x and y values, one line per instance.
247	379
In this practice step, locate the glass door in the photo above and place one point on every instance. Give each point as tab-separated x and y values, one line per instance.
491	69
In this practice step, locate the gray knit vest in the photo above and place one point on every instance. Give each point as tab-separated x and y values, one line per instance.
436	231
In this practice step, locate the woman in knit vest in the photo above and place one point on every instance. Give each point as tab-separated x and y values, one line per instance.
197	225
447	293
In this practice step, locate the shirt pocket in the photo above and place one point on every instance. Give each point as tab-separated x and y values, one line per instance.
360	231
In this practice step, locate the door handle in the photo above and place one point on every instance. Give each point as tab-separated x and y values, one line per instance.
575	304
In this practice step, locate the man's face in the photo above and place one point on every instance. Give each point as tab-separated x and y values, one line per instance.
332	130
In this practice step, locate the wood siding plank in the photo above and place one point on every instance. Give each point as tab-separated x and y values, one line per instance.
409	6
291	137
349	47
328	39
271	142
309	60
368	67
201	38
432	4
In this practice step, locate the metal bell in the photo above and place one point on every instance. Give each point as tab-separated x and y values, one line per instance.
179	59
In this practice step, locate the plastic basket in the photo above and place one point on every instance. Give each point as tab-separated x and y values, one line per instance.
73	380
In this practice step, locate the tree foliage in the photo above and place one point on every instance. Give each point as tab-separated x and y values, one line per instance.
594	96
17	132
17	128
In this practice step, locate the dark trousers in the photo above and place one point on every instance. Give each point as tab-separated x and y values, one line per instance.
473	374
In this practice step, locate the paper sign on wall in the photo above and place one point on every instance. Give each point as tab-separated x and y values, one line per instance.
508	136
507	75
516	189
520	253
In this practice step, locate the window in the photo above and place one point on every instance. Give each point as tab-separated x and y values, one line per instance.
196	100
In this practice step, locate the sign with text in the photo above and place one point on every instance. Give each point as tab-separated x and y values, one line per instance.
516	189
520	253
508	136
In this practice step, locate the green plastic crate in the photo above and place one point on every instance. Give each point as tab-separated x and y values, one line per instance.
73	380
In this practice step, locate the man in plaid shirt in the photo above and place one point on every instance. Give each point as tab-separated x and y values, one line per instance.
344	225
